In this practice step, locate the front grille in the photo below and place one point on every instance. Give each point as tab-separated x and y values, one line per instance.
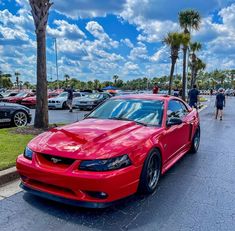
58	160
54	161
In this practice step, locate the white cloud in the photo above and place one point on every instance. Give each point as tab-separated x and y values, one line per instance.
98	32
139	52
65	30
127	42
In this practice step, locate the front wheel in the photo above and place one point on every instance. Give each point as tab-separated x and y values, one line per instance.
20	119
150	173
195	142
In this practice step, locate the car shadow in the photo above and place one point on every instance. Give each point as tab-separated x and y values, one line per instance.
132	212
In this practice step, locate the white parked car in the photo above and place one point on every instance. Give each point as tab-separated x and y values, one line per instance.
59	102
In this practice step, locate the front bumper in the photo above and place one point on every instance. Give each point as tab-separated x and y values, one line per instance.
55	106
71	186
68	201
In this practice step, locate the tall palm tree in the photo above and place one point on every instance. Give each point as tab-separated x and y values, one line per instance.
40	12
188	19
174	40
194	47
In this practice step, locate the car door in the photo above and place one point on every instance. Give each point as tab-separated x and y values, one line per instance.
176	136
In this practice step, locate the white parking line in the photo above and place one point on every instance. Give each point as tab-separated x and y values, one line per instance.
10	189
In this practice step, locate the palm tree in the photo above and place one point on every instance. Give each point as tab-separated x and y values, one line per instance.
188	19
174	40
115	78
194	47
17	74
67	78
40	12
199	66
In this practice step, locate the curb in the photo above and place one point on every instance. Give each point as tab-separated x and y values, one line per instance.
8	175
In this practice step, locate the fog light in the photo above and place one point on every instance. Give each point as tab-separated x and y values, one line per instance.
98	195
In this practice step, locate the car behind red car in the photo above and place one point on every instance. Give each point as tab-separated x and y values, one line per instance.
120	148
18	98
31	101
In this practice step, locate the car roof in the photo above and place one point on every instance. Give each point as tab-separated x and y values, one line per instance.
146	96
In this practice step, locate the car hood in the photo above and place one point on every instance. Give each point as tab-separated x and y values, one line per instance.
92	139
14	105
13	98
86	99
32	98
58	98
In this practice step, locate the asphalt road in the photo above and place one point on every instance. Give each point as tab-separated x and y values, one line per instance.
198	193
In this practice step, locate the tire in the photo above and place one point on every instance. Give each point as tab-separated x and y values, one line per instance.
64	105
150	173
196	141
20	119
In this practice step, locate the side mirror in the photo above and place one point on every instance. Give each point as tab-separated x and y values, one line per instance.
174	121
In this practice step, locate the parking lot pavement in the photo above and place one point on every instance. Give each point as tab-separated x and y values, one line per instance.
62	116
196	194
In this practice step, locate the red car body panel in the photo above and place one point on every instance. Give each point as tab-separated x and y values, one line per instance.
16	99
31	101
92	139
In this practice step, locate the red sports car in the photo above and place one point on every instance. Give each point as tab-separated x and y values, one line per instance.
18	98
31	101
121	147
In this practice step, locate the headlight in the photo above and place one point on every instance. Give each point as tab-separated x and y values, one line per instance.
105	165
28	153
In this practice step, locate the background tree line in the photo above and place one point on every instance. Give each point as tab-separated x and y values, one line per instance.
204	80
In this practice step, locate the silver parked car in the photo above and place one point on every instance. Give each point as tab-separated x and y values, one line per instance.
91	101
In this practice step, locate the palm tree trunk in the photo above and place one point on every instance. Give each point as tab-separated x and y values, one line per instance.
184	73
41	115
171	75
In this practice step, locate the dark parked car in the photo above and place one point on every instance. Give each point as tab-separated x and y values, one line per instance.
91	101
14	114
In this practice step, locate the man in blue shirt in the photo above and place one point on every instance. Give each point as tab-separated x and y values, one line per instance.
70	98
220	103
193	96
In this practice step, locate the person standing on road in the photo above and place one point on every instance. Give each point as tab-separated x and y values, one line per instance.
193	96
70	98
155	89
220	104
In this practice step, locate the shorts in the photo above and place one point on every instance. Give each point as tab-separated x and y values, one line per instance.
193	104
219	107
69	101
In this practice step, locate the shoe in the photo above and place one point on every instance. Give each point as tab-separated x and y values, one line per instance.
220	117
70	110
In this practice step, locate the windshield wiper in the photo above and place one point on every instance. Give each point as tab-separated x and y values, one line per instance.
126	119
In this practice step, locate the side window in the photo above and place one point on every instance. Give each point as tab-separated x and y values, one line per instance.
185	110
175	109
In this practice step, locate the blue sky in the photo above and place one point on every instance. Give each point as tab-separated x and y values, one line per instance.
99	39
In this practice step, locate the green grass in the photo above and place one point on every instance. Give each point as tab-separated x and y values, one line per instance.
11	145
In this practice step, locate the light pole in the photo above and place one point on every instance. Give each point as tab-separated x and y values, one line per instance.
56	61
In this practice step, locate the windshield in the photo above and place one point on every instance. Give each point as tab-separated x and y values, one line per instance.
146	112
94	96
21	94
63	94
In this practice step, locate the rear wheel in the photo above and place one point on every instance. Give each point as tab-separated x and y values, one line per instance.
195	142
20	119
150	173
